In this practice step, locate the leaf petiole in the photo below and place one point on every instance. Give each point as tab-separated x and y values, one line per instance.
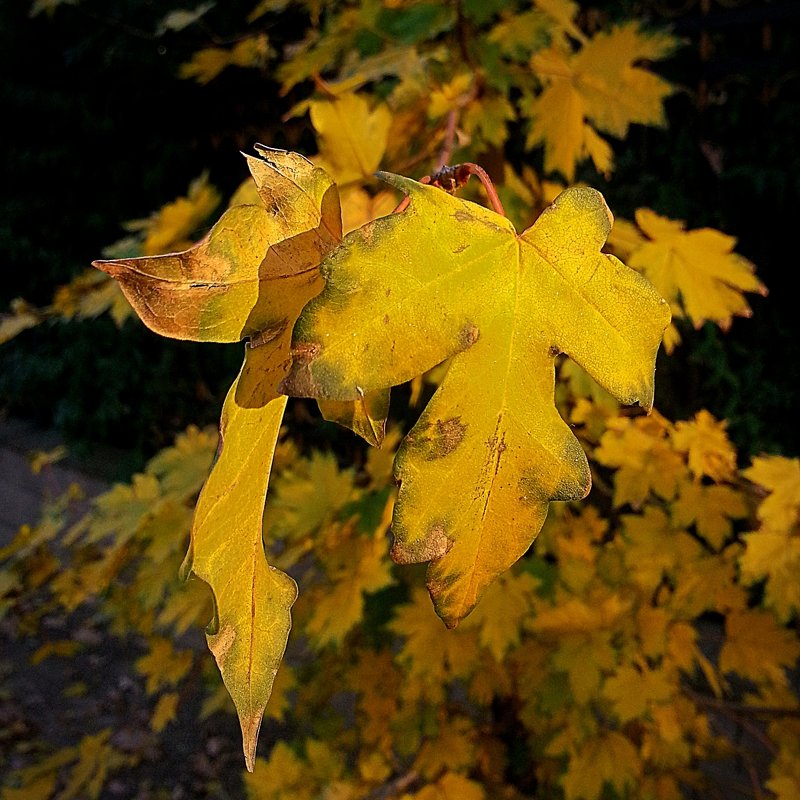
450	179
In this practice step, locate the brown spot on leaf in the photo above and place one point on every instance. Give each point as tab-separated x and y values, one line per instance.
468	335
444	437
268	334
435	544
305	352
299	382
385	319
221	642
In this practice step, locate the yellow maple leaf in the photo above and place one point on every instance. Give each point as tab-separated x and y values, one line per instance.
208	63
181	468
653	549
22	316
88	295
170	227
708	448
608	757
431	658
352	138
499	617
696	271
163	666
780	510
598	88
774	556
756	647
357	565
360	207
122	511
306	496
377	324
166	711
451	786
282	776
376	682
633	692
96	759
644	458
709	508
235	283
452	748
584	658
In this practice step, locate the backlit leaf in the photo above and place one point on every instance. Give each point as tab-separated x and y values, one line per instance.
781	476
252	599
601	87
478	469
696	271
756	647
608	757
352	137
708	448
255	269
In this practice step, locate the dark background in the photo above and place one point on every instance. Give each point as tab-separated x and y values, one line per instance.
98	129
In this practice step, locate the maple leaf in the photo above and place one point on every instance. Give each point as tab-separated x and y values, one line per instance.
608	757
451	786
182	468
696	271
710	508
644	458
208	63
163	666
252	599
780	510
599	87
757	648
707	446
774	556
652	548
359	207
634	691
235	282
352	138
357	565
773	551
504	607
452	748
306	496
510	303
430	658
250	276
166	711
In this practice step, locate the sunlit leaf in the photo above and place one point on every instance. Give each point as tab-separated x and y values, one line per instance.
480	466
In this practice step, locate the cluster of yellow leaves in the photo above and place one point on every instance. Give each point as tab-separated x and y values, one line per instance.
71	773
772	552
573	86
596	639
593	643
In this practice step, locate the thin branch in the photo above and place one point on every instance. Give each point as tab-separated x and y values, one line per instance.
449	139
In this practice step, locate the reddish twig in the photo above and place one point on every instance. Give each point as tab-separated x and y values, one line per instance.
450	179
